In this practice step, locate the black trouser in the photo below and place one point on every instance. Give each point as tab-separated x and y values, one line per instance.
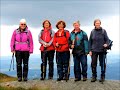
80	63
22	57
94	63
47	55
62	59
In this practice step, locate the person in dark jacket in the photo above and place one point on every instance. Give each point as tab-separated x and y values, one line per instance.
98	41
47	49
61	44
79	44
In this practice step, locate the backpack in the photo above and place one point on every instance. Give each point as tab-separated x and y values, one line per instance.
110	42
49	30
64	34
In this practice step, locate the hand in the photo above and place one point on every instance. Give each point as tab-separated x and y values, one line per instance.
13	51
72	46
90	53
57	44
105	45
47	45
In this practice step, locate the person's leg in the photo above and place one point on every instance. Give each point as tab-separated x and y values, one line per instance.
59	66
65	59
43	65
102	64
94	65
77	70
25	55
19	65
51	63
84	66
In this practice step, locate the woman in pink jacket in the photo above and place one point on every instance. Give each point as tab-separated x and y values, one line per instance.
22	46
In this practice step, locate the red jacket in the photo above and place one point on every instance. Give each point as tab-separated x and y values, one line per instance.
62	41
46	36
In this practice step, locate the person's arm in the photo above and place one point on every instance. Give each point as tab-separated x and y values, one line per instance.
40	40
31	42
52	35
54	40
85	38
106	37
12	44
90	44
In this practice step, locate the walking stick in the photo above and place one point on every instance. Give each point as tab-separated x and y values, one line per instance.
73	42
44	61
12	61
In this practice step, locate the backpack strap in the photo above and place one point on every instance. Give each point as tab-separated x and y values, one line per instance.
27	33
49	30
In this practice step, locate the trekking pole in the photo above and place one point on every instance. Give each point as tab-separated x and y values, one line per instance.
44	62
57	63
73	43
12	61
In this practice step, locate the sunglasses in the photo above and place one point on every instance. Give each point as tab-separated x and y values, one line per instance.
23	24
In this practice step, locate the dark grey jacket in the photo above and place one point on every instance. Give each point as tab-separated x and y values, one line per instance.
97	39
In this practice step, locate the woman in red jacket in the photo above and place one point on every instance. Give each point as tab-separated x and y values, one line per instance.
60	42
47	49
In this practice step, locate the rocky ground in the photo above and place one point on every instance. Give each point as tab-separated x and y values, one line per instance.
63	85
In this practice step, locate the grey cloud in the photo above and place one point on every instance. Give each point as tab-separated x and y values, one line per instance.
37	11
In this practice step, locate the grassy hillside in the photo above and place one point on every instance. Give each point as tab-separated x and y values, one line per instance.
6	78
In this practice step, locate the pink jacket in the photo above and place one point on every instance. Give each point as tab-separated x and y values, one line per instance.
22	41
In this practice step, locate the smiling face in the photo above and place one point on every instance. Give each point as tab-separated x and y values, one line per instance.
22	25
76	26
61	26
97	23
46	24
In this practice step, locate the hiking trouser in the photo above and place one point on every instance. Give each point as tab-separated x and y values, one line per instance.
80	66
22	57
94	63
62	59
47	55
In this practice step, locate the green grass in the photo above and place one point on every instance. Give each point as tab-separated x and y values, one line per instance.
6	78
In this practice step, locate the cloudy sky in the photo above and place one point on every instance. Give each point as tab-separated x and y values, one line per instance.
36	11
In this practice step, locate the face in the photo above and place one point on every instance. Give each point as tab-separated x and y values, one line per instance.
46	24
61	26
97	24
22	26
76	26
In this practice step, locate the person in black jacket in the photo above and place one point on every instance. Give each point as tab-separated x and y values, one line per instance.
98	41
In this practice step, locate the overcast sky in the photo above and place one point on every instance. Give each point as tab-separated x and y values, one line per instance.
35	11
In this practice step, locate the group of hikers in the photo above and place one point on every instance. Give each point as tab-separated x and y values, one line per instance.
61	42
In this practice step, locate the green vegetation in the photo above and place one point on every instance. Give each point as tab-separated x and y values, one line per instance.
6	78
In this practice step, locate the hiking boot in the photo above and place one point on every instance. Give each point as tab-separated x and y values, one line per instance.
102	79
19	79
93	79
59	79
76	79
50	78
25	79
42	78
84	79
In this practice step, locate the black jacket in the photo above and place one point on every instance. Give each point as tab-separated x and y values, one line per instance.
97	39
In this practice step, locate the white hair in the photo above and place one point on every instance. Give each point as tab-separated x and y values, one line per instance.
22	21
